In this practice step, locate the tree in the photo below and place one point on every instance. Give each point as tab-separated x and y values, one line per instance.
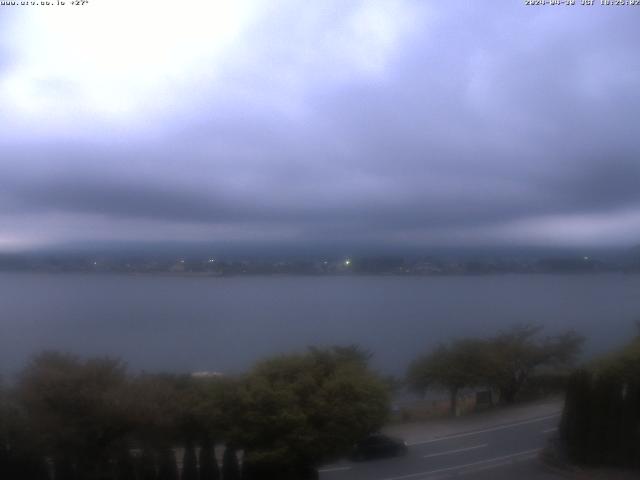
575	421
605	427
147	465
303	409
125	469
630	436
230	467
461	364
189	463
505	362
207	459
74	407
601	417
21	453
167	466
154	407
168	410
518	352
219	409
64	468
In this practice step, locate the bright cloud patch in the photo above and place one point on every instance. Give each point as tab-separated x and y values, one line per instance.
118	57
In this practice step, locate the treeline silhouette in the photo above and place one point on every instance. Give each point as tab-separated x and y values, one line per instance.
601	420
508	363
72	419
67	418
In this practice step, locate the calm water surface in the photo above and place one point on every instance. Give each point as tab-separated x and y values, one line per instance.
224	324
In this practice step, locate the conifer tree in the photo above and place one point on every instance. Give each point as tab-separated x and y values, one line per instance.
209	469
230	467
604	420
124	465
189	463
167	466
630	425
574	426
147	465
64	468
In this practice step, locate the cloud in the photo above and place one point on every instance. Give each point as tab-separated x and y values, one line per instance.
388	121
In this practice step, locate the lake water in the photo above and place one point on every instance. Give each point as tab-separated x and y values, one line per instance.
225	324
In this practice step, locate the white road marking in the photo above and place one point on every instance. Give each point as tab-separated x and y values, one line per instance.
334	469
492	429
467	465
503	463
549	430
458	450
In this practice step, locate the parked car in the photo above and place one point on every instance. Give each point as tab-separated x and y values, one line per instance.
378	446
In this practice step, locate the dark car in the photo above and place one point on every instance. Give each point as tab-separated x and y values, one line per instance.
378	446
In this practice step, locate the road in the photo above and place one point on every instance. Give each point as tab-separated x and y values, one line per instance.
498	451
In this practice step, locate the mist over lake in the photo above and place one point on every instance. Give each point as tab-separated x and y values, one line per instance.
225	324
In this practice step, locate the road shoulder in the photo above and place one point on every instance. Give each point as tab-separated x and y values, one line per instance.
555	461
432	430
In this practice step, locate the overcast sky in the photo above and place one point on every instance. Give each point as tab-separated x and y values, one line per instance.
397	122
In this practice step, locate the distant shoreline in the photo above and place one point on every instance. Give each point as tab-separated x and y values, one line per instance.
320	275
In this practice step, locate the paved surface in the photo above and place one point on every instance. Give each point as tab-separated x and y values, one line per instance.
502	444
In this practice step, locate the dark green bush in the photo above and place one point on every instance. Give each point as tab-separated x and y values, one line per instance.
601	420
208	464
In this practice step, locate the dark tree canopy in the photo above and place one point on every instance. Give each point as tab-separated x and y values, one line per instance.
304	409
601	419
504	362
230	466
461	364
189	463
74	406
207	461
520	351
167	466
